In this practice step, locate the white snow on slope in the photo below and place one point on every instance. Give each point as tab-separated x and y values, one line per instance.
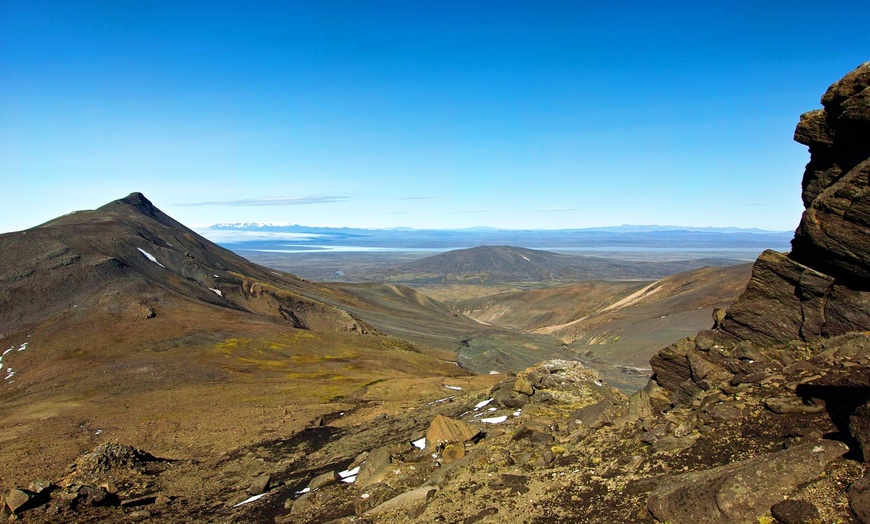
251	499
150	257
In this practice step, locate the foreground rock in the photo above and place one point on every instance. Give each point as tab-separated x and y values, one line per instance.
742	491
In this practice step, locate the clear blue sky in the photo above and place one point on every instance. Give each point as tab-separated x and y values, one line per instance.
421	114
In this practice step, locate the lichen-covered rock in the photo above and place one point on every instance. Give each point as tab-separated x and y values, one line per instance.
741	491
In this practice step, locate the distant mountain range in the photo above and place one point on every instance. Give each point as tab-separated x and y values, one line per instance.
291	237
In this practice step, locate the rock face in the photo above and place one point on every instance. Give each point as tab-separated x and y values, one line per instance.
828	270
833	232
819	290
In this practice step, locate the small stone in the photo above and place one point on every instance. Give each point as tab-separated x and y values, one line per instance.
325	479
162	500
96	496
453	452
522	385
40	487
795	512
260	484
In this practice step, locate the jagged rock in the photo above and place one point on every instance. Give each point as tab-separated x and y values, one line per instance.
741	491
17	500
40	487
522	385
594	415
769	311
639	406
686	426
325	479
670	365
859	499
260	484
376	462
506	397
705	373
444	430
834	229
796	512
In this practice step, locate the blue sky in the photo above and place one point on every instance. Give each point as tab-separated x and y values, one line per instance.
419	114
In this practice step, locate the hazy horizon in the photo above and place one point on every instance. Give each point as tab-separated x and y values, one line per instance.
446	115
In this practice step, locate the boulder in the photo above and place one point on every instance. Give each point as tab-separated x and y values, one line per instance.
17	500
741	491
507	397
796	512
444	430
406	501
670	365
325	479
303	504
375	464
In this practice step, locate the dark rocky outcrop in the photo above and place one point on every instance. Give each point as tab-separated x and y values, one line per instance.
819	290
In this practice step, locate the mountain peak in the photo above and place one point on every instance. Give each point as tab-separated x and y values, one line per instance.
135	200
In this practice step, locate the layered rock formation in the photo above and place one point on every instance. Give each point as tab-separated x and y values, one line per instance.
798	339
822	288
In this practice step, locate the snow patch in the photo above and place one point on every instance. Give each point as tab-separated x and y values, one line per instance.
251	499
304	491
22	347
454	388
150	257
482	403
349	480
494	420
420	444
349	473
216	291
518	412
